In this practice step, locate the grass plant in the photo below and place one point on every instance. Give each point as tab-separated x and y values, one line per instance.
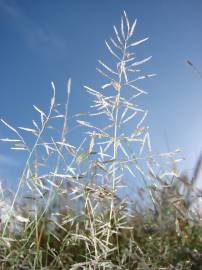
74	208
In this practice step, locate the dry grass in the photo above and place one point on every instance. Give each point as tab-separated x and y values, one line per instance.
71	211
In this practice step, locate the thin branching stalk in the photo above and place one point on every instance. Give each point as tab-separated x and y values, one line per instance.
120	111
44	124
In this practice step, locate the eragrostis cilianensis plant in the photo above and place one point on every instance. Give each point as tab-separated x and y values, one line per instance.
70	209
114	144
95	175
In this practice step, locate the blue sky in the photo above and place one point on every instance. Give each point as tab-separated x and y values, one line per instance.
44	41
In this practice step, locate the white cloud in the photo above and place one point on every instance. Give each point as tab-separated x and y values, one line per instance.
11	10
39	38
36	36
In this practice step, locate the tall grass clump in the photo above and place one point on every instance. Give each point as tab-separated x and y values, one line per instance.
75	206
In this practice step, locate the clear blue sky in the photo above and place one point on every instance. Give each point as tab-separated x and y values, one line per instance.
44	41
